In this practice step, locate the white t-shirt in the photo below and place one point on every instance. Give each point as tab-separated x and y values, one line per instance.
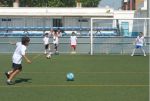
19	52
73	40
140	41
55	39
46	40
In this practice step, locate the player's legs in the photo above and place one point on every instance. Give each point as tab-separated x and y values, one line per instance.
74	47
46	48
133	52
9	73
56	48
45	52
16	69
49	47
136	47
143	51
48	51
49	54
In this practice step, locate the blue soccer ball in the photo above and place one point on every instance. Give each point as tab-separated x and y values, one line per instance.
70	77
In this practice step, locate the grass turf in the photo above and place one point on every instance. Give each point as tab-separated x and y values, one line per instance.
97	78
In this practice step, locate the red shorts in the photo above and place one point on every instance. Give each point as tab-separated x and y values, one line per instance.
73	46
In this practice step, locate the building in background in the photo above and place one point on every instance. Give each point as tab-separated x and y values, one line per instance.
142	10
39	20
19	20
133	4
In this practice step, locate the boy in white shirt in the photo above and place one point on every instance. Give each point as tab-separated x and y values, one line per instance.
47	45
73	41
139	42
56	41
20	52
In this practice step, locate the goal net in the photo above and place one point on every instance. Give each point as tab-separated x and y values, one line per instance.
110	35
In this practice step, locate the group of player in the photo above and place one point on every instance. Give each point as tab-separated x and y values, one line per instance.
56	34
46	38
21	47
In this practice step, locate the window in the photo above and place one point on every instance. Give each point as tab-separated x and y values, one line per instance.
57	22
3	19
125	28
83	20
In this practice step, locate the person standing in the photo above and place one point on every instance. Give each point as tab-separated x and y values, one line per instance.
73	42
139	42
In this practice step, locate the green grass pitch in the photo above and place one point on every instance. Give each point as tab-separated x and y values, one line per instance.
97	78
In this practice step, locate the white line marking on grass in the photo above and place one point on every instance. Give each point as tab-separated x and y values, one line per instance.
15	86
90	72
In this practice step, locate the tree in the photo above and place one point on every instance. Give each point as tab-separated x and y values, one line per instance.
6	3
90	3
50	3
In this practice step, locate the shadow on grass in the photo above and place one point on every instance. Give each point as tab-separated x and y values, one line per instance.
138	55
23	80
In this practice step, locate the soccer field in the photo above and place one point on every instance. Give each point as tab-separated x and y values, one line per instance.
97	78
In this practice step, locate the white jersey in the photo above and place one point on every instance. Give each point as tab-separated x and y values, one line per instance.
55	39
46	40
73	40
140	41
19	52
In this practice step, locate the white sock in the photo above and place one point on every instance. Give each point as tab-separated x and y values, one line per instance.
8	80
45	51
9	72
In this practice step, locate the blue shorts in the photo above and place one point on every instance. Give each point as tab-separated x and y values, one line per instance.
138	46
17	66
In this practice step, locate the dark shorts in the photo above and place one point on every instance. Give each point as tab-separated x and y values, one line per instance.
46	46
17	66
138	46
56	45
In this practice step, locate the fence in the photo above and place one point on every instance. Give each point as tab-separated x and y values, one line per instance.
101	45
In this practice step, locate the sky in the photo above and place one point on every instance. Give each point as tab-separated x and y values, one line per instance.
116	4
